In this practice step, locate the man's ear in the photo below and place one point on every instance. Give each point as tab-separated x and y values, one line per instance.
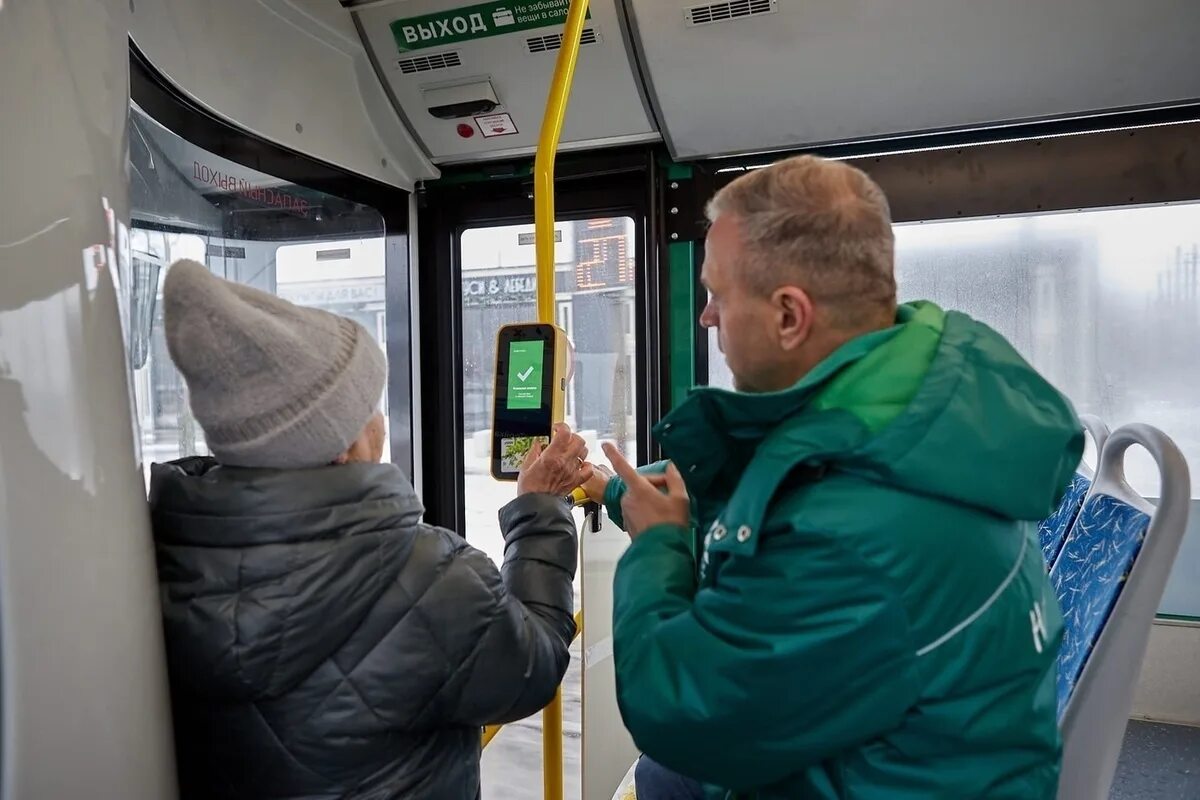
795	312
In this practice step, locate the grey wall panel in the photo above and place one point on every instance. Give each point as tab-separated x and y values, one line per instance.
290	72
1167	688
824	71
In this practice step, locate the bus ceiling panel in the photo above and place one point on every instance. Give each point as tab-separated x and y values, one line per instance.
290	71
471	78
761	75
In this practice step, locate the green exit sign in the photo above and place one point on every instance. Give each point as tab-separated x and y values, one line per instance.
478	22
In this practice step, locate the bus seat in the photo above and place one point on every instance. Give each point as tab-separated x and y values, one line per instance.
1109	579
1052	531
1088	578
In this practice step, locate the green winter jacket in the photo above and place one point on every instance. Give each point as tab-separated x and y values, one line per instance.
870	616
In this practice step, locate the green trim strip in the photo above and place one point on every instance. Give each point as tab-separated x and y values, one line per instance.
682	316
681	309
675	172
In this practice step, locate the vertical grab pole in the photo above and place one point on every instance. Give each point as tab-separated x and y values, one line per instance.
543	218
543	164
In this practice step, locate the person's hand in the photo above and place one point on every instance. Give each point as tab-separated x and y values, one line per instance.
558	469
650	501
597	485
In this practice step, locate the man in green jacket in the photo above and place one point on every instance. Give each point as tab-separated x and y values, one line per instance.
834	588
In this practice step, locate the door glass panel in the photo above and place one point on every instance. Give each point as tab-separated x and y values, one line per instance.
594	301
310	247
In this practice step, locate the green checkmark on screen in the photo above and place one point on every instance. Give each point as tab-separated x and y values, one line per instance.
525	374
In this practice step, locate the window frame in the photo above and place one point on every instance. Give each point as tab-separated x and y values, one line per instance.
159	99
1114	161
611	183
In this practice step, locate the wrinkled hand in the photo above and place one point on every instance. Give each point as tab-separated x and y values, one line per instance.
597	485
650	500
558	469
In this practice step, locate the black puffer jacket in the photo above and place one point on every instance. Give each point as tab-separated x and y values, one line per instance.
322	643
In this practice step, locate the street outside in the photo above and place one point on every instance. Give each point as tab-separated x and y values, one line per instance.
512	763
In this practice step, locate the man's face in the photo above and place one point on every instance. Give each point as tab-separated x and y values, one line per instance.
746	321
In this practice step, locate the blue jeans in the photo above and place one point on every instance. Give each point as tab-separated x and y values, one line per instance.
653	781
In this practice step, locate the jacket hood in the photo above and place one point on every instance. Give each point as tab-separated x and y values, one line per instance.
265	573
938	404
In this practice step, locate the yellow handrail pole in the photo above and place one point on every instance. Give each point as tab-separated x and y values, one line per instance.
543	219
552	737
489	733
543	163
552	748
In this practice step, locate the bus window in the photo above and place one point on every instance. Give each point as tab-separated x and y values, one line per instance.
1104	303
307	246
718	371
342	277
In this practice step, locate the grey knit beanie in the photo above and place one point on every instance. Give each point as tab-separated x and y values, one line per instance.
272	384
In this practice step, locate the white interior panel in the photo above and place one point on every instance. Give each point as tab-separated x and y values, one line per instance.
85	706
823	71
1166	689
606	105
608	749
294	73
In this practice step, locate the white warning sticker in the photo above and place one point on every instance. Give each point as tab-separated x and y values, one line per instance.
496	125
598	652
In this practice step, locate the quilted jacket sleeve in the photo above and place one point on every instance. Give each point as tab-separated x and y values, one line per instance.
508	637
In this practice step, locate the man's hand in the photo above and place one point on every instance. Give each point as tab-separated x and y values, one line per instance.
650	501
597	485
559	469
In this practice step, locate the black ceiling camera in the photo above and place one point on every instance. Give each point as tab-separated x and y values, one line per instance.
462	100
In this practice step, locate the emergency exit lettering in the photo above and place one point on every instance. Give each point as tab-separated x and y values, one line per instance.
243	188
477	22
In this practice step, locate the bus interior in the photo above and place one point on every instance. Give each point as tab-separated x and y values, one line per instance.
376	158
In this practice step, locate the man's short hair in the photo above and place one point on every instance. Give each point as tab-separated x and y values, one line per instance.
818	224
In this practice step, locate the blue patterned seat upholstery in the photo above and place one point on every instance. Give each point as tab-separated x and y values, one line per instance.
1052	531
1087	577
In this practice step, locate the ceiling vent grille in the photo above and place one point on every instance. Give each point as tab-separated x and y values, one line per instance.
546	44
410	66
723	12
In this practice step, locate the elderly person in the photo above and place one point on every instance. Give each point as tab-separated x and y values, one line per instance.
322	641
